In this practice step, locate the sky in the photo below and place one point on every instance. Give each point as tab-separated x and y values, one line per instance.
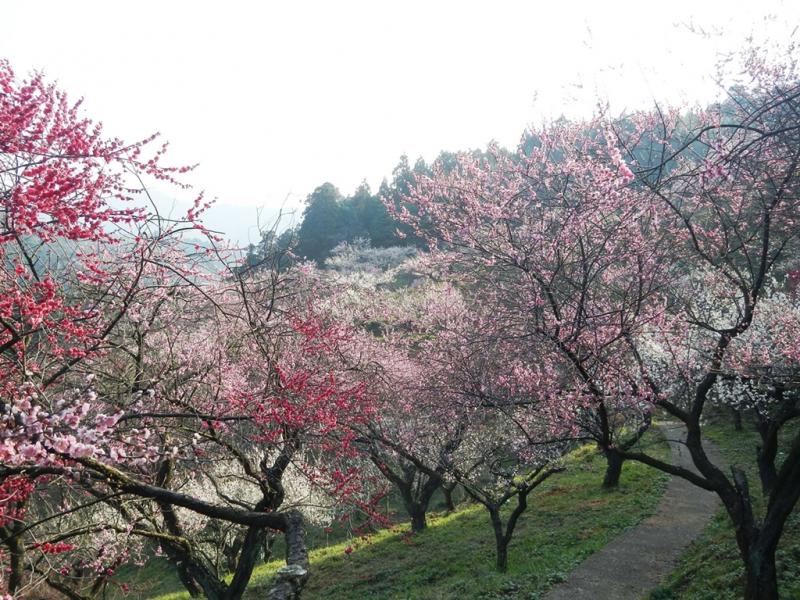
273	99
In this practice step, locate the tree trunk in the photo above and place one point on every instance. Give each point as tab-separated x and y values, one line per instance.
501	541
187	581
416	507
767	472
614	462
266	555
761	580
767	452
418	519
447	491
757	544
190	574
291	579
737	419
250	551
16	563
502	555
231	553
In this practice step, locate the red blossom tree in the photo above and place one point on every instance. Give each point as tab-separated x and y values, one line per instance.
137	372
72	255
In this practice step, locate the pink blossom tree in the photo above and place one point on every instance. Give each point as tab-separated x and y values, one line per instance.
457	404
566	252
727	181
131	373
602	238
415	440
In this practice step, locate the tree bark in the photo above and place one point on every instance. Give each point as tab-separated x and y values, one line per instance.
249	554
767	472
614	461
291	579
761	578
418	520
500	538
767	451
447	491
16	563
757	544
417	505
737	419
185	576
502	555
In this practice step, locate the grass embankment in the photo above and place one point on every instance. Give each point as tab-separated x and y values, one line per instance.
568	518
711	568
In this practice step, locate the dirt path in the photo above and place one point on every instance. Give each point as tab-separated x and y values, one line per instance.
635	562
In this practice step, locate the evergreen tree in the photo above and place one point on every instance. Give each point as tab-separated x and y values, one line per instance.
324	224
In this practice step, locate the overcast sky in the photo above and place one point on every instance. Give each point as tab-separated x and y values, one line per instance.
275	98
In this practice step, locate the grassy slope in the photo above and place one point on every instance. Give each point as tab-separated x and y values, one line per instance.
711	568
568	518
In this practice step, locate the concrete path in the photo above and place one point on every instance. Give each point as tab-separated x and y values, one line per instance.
635	562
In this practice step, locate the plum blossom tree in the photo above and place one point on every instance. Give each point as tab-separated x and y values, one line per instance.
728	184
73	250
567	253
258	405
422	422
131	373
416	427
243	409
501	469
512	433
456	405
763	374
596	238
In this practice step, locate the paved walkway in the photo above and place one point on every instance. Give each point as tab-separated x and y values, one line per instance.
635	562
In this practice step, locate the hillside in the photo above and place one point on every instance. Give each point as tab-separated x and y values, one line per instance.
568	518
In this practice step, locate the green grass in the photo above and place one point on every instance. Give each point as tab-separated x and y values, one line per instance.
568	518
711	568
155	578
